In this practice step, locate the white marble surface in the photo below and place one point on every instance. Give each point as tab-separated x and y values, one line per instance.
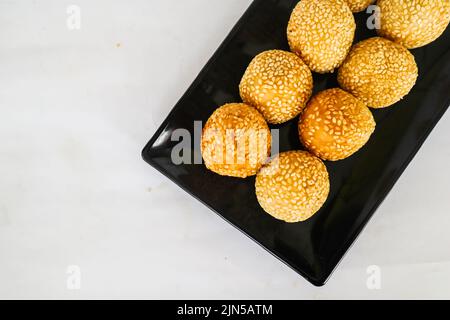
76	109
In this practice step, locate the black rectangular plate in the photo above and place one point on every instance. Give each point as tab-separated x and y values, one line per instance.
358	184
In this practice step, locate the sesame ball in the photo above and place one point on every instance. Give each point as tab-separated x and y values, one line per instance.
277	83
379	72
335	125
293	186
359	5
413	23
321	32
235	141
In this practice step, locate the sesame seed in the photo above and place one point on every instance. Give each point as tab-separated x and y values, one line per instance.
321	32
379	72
336	140
293	186
278	84
359	5
413	23
235	141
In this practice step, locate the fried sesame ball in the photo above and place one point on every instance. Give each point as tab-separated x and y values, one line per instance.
293	186
359	5
277	83
335	125
321	32
379	72
236	141
413	23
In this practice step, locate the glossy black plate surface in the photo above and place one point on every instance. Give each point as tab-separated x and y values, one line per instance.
358	184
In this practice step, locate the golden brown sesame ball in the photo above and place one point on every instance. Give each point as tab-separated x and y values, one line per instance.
321	32
277	83
413	23
379	72
235	141
334	125
293	186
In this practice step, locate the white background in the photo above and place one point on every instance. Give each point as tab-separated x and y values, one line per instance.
76	109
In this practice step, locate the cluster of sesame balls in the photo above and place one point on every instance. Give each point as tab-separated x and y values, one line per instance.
334	124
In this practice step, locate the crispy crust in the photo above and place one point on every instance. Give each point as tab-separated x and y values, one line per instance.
335	125
293	186
236	141
379	72
278	84
359	5
321	32
413	23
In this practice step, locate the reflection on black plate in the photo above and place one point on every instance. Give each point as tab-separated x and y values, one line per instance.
358	184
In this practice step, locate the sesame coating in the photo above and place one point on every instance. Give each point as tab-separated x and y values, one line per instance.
335	125
413	23
379	72
236	141
321	32
359	5
277	83
293	186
